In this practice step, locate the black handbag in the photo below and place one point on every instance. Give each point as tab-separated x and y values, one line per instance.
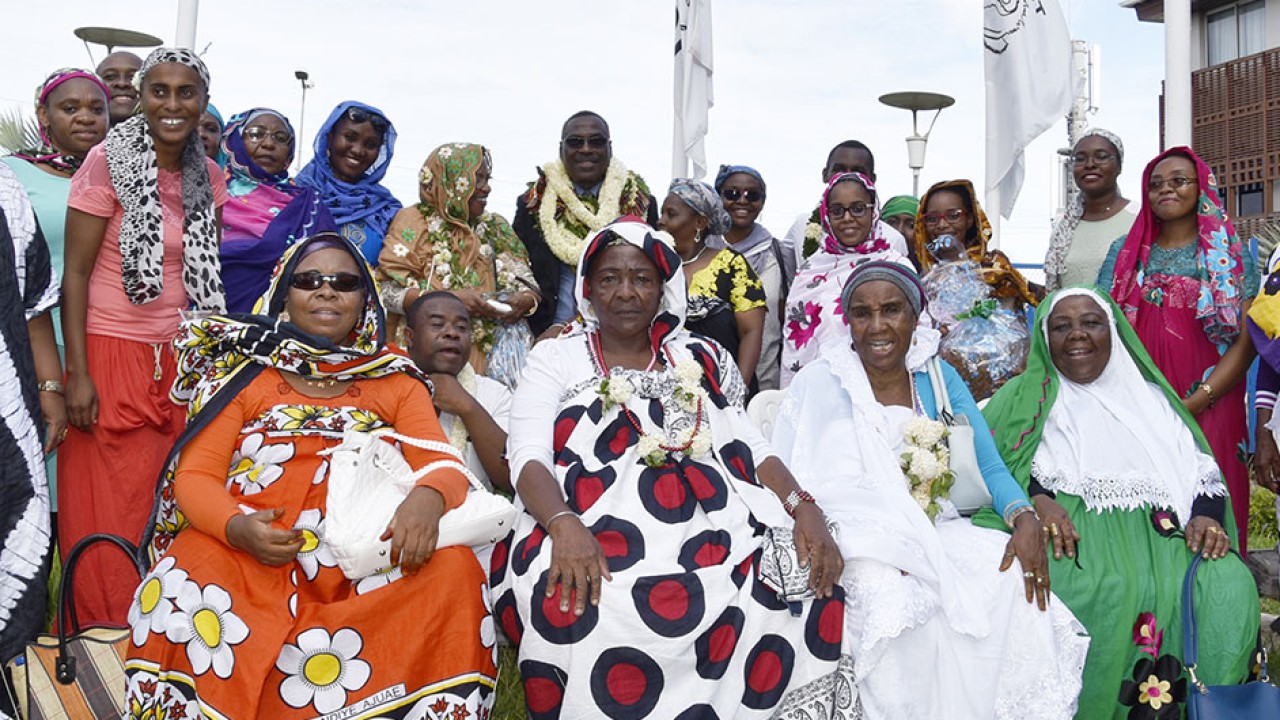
1257	699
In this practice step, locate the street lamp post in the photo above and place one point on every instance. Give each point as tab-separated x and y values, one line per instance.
305	80
917	143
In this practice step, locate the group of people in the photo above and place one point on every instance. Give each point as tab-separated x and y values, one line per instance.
224	325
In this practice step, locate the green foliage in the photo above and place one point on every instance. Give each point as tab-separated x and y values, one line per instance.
509	704
17	131
1263	530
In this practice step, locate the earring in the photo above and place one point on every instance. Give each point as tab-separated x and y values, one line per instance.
284	316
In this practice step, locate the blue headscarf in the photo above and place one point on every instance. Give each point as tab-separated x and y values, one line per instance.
221	157
241	164
727	170
366	202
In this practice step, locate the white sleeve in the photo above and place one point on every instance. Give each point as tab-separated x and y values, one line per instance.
532	416
795	238
496	399
896	241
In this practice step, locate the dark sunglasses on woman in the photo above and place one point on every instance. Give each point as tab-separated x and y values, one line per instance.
314	279
360	115
732	194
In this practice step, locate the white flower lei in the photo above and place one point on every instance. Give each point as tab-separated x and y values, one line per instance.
567	246
458	435
654	449
927	463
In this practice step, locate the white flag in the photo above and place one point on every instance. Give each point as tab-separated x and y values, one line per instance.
1030	85
692	87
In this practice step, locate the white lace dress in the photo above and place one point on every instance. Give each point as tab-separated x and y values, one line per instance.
935	630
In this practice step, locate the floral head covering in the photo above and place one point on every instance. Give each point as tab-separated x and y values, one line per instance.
448	178
1218	254
659	247
875	242
366	200
46	152
703	200
240	163
1064	230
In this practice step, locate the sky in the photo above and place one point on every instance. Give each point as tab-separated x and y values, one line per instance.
792	79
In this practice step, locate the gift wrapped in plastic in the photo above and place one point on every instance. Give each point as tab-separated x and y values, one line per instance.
986	343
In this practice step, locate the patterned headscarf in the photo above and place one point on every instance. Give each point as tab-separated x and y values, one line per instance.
219	355
703	200
725	171
1218	251
660	248
874	242
997	270
47	152
240	164
131	160
1064	230
363	201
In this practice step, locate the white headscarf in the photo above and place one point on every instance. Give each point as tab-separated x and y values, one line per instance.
1116	443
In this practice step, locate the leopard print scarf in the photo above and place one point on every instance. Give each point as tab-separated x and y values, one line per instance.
131	160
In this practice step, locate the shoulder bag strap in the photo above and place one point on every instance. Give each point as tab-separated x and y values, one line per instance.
782	270
941	401
458	463
1190	639
68	623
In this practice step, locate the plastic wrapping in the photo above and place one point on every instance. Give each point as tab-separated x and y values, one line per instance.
985	342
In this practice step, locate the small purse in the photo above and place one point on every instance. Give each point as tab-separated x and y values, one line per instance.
369	478
780	568
1257	699
969	492
75	673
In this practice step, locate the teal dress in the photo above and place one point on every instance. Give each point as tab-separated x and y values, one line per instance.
48	194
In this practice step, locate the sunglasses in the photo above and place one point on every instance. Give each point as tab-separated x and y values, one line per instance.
577	142
732	194
953	215
360	115
858	209
1100	157
257	134
1177	183
314	279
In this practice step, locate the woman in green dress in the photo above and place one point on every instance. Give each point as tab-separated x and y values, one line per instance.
1128	492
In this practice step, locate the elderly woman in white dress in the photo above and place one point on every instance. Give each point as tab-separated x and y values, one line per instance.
940	619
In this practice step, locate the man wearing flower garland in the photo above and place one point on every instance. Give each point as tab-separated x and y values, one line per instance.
575	195
805	235
473	409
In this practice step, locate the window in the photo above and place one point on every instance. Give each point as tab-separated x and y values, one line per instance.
1235	31
1249	200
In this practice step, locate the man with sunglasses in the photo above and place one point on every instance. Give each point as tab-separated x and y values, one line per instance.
575	195
805	236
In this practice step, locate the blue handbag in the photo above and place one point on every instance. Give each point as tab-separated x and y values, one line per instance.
1258	699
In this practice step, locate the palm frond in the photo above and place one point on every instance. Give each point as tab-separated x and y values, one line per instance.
17	130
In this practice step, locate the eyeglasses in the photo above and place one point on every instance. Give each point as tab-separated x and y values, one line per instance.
257	134
313	279
954	215
1099	157
857	210
732	194
576	142
360	115
1177	183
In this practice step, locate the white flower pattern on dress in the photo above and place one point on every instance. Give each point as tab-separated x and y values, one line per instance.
255	465
203	621
315	552
321	670
153	600
381	578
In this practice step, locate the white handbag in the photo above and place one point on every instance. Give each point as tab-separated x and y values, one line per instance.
369	478
969	493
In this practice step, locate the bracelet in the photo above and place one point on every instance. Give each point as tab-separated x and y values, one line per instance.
53	386
1208	391
537	301
557	516
793	500
1019	512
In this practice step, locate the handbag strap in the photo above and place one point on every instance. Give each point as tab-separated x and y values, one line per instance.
1190	635
459	463
941	400
68	623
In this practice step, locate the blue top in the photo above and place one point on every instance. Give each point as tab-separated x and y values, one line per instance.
1182	262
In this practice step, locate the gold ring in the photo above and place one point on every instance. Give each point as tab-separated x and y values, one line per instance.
1215	530
1053	529
1028	574
1040	581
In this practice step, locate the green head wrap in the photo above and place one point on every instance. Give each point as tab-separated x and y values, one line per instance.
899	205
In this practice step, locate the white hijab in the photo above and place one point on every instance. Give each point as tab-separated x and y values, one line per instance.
1116	442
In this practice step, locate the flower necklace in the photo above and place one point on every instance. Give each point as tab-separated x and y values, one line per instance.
656	450
926	463
458	435
566	244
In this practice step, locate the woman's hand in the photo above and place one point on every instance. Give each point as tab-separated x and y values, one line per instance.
1204	534
476	303
577	564
1057	526
255	535
817	549
1027	545
82	401
522	304
54	408
1266	462
415	528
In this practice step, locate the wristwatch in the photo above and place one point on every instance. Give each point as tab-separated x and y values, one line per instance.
792	502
